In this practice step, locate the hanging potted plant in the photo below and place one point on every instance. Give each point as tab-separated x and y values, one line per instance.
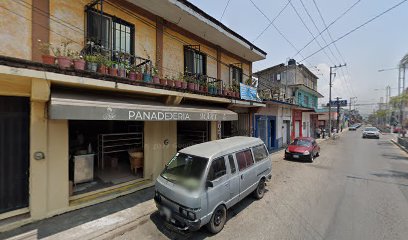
63	54
45	49
91	63
155	74
79	62
147	76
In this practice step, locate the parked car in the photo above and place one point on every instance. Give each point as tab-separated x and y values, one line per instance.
201	182
353	127
304	148
399	130
371	132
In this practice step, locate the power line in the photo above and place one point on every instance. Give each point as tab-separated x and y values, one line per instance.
338	18
355	29
223	12
273	20
349	86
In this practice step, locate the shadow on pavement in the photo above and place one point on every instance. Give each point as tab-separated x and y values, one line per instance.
56	224
392	174
169	231
394	156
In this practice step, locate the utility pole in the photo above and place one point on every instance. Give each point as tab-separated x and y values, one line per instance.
330	87
338	114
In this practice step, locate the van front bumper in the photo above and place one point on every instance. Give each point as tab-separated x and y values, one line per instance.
176	219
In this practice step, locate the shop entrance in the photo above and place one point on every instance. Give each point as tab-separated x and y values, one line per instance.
14	152
192	132
104	154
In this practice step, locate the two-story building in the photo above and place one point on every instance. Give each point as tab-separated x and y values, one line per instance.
71	137
290	91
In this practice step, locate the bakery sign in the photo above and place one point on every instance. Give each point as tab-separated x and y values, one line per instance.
135	112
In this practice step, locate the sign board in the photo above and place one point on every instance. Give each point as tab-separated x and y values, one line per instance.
249	93
334	103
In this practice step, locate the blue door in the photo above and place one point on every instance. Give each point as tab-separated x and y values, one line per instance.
265	129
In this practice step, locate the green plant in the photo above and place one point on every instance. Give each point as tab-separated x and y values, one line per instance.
91	58
111	63
63	50
248	82
45	47
155	71
76	56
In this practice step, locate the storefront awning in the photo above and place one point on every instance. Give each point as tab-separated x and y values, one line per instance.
80	106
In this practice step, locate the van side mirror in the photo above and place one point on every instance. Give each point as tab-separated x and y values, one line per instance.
209	184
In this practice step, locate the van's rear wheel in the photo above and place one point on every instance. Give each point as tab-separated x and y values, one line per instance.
218	220
260	190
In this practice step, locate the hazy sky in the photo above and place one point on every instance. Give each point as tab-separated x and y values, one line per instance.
378	45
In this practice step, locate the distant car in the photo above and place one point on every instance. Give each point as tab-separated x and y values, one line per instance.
399	130
303	148
371	132
353	127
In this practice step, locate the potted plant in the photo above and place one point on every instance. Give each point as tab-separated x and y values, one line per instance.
63	54
190	83
113	70
131	72
155	74
102	64
170	82
235	88
139	74
211	88
178	81
123	63
163	81
79	62
91	63
248	82
122	66
45	49
147	77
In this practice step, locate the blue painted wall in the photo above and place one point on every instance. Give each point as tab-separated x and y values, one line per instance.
313	99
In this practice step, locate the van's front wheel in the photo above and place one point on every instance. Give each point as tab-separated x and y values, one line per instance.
218	220
260	190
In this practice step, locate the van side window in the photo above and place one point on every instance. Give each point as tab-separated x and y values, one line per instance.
232	164
244	159
217	169
260	153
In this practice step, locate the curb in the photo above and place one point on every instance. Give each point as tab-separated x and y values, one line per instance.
399	145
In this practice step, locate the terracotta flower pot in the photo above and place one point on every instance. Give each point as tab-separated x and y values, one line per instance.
196	87
139	76
113	71
237	95
184	85
191	86
156	80
132	75
170	82
103	69
201	88
48	59
64	62
122	72
177	83
163	81
205	89
91	66
79	64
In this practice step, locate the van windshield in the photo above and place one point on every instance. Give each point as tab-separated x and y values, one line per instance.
185	170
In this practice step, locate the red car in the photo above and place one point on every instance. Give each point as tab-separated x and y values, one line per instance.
304	148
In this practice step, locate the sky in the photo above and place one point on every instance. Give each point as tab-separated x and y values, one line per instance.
379	45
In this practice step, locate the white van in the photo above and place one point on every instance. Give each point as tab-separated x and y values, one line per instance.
201	182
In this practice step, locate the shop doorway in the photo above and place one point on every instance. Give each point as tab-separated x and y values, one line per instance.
192	132
14	152
272	134
297	129
104	154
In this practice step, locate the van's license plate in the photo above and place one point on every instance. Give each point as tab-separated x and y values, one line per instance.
295	156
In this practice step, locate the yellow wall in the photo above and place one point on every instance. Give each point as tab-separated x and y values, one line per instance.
57	170
73	13
15	36
173	54
156	153
226	61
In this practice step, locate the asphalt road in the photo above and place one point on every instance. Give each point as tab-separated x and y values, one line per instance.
356	189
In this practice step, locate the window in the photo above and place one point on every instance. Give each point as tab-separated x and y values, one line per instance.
110	32
236	74
278	76
217	169
244	159
195	62
232	164
306	100
260	153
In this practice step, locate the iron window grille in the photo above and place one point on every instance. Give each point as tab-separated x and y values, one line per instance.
195	62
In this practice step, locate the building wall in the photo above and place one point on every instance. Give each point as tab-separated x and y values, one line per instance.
15	41
306	125
300	96
226	60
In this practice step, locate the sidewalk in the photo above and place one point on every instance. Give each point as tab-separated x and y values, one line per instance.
105	220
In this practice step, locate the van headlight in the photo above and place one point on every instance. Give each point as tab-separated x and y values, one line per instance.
187	214
306	153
